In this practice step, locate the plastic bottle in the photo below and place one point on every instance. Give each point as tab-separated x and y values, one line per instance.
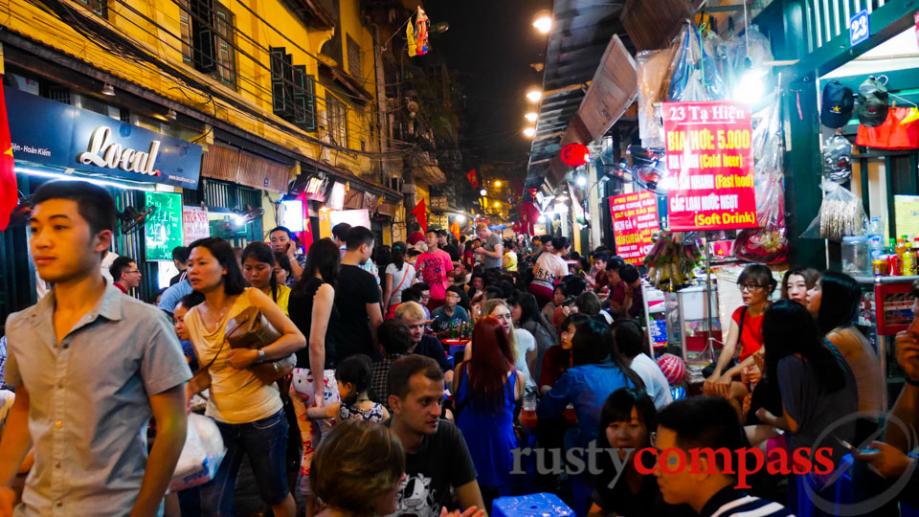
893	261
875	240
908	260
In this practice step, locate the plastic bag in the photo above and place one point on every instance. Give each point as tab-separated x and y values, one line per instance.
201	455
694	74
837	159
653	66
841	214
768	244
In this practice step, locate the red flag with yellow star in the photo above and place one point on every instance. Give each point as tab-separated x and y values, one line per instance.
9	193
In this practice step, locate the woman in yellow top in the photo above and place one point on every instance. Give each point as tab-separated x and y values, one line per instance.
258	269
510	256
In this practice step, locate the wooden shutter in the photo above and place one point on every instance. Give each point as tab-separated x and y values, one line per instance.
299	95
279	101
204	39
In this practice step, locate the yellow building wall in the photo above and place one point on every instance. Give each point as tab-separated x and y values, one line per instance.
253	38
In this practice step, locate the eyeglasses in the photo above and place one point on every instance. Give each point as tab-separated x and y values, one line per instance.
750	287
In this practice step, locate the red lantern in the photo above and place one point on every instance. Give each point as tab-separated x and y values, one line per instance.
574	154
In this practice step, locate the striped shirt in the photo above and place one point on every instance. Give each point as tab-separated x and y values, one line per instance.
730	502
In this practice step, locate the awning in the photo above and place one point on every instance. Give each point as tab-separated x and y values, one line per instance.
579	38
612	91
238	166
652	24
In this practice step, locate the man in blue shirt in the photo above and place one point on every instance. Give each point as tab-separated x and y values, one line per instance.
450	315
90	367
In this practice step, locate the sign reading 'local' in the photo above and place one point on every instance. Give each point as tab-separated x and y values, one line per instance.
710	160
53	134
105	153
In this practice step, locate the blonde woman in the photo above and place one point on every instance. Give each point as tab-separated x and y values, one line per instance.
523	344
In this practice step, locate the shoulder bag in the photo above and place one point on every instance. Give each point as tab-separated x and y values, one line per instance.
251	329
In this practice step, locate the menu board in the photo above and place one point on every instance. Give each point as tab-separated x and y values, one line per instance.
163	226
194	224
635	220
710	162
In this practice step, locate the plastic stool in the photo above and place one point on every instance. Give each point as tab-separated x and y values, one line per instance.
533	505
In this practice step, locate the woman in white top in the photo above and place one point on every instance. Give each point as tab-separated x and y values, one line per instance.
400	275
248	412
549	270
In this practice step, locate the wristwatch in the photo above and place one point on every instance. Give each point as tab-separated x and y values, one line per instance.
261	355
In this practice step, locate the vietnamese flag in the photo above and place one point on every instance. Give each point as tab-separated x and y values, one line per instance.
472	178
421	213
9	193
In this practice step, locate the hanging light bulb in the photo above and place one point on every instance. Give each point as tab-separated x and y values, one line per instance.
543	24
531	116
529	132
752	85
534	95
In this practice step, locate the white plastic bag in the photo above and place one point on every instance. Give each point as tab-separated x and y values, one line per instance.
201	455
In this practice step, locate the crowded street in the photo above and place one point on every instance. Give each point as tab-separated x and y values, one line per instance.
459	258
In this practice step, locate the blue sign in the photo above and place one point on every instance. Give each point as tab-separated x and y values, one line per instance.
54	134
859	28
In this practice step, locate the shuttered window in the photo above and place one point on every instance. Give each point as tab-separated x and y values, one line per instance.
293	91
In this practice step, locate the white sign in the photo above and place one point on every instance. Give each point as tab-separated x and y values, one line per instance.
290	215
195	224
104	153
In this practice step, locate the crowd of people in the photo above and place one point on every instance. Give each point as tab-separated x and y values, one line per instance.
414	379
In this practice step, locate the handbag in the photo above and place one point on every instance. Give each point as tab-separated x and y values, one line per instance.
251	329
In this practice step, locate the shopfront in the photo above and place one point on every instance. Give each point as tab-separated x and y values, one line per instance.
144	171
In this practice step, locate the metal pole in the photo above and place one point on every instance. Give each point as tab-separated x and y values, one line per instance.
709	347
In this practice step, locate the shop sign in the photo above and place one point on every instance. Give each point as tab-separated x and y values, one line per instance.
635	220
859	28
710	163
194	224
53	134
163	227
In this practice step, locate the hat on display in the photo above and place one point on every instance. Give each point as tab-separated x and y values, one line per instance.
837	158
673	367
872	101
836	105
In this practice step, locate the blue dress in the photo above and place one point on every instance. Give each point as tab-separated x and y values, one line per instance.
489	433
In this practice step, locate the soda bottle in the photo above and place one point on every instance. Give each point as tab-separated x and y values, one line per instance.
893	262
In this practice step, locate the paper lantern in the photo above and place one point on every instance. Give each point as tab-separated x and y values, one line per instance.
574	154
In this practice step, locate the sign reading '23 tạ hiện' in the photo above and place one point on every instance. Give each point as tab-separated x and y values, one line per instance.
710	161
50	133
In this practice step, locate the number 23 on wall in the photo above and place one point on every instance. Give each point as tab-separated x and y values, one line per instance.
859	28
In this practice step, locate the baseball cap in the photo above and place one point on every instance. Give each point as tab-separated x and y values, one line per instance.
836	105
872	102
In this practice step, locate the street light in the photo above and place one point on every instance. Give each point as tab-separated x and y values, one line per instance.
543	24
534	95
529	132
531	116
483	192
498	183
460	219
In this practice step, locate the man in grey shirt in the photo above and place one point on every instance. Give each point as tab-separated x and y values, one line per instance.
491	250
90	367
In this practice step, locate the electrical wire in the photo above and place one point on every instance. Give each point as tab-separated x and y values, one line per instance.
159	66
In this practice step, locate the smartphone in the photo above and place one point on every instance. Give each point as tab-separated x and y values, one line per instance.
849	447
